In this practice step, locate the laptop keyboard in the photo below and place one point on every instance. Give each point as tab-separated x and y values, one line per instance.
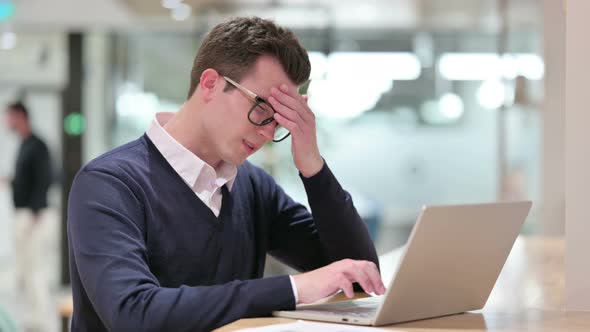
363	308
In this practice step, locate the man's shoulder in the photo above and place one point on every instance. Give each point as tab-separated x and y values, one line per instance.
132	155
251	171
36	143
256	175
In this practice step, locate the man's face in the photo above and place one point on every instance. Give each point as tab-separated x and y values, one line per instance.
233	136
12	119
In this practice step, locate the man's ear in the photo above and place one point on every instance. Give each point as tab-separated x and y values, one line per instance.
210	84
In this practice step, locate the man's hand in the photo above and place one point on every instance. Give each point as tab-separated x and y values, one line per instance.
294	114
326	281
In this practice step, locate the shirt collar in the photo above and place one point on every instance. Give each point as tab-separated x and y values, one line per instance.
184	162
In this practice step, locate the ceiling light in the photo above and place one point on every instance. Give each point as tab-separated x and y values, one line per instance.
469	66
369	65
451	106
7	40
182	12
491	94
485	66
171	4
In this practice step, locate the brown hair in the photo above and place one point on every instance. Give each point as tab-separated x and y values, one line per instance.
233	47
18	107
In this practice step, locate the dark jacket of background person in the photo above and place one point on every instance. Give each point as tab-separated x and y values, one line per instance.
32	175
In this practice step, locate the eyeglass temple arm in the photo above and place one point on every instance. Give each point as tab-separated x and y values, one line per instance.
241	88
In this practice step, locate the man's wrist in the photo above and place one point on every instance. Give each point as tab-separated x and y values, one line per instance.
294	287
313	168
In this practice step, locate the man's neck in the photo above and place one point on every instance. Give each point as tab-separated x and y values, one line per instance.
25	132
185	127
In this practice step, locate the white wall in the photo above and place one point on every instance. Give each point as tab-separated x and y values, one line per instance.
553	140
577	157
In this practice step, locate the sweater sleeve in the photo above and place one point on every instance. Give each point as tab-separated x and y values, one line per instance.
333	231
107	239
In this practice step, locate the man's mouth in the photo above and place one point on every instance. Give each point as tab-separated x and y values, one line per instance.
249	146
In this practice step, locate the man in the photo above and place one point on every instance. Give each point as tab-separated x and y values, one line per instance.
32	178
170	232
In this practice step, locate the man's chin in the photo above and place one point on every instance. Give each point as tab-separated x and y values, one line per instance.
238	158
235	161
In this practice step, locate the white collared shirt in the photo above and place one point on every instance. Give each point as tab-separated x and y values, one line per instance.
202	178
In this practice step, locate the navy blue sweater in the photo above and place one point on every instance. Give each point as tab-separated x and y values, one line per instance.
146	254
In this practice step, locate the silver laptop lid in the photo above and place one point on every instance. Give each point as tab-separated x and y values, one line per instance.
453	259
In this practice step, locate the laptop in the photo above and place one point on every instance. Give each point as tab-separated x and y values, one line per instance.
451	262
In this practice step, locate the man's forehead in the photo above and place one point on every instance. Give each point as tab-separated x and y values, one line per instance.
262	87
267	73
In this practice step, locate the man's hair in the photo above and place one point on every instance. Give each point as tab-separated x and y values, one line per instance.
18	107
232	48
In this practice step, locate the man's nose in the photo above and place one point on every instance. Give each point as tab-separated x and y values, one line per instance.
268	131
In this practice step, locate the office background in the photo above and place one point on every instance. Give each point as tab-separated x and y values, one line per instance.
418	102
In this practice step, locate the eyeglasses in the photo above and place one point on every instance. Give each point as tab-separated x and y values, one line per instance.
261	113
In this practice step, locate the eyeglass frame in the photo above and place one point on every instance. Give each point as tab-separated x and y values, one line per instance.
257	101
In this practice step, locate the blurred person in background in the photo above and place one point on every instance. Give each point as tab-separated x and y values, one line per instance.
170	232
32	177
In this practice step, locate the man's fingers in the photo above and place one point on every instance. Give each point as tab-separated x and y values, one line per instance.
290	125
370	269
346	285
338	275
365	273
373	287
285	111
375	277
293	102
283	98
360	276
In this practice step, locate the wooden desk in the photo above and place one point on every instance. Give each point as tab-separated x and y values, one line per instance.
529	296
